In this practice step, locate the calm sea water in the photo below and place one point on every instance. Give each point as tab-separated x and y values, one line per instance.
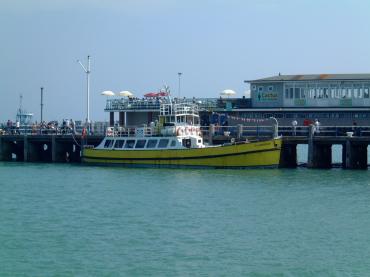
72	220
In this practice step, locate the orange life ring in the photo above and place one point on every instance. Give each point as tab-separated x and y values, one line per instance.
109	132
179	132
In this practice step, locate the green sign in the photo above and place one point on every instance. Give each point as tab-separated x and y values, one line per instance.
345	102
300	102
267	96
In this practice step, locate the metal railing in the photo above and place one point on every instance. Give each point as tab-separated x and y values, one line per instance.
154	103
237	131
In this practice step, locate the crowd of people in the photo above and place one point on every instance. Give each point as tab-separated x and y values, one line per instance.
68	126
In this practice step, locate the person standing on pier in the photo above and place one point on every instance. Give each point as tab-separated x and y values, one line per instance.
294	124
317	126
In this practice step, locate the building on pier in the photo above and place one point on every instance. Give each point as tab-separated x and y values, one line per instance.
333	99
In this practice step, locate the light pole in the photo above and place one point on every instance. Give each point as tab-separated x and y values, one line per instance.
87	71
179	74
276	127
42	104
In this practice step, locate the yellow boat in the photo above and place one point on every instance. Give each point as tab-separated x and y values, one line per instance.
176	141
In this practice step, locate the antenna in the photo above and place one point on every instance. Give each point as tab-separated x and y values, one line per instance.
20	102
179	74
87	71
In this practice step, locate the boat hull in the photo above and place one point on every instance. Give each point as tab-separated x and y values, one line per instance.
241	155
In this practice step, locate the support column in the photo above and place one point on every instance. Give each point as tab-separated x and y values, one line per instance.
121	119
319	155
5	150
356	155
53	149
25	149
111	119
288	156
2	158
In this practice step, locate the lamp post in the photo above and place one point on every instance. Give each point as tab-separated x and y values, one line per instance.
179	74
276	127
42	104
87	71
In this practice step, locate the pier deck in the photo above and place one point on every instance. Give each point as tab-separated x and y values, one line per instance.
67	148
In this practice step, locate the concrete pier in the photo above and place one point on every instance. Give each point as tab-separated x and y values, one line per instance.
67	148
43	148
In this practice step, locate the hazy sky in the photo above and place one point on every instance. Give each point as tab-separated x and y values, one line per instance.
139	45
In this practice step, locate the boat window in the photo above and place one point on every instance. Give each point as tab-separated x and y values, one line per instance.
152	143
140	143
186	143
130	143
108	143
173	143
163	143
119	143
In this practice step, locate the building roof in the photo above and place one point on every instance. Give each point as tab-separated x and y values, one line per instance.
313	77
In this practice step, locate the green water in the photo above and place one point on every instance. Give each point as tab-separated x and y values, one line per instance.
70	220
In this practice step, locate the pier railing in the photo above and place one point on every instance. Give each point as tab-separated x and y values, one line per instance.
237	131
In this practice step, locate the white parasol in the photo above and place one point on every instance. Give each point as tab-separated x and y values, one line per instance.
228	92
107	93
126	93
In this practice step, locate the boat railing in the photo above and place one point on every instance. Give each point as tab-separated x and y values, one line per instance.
118	104
131	131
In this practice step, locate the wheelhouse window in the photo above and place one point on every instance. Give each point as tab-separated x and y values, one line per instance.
130	143
163	143
260	89
108	143
270	88
152	143
173	143
140	143
119	143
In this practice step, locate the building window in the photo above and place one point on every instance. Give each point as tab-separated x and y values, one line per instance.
297	93
270	88
254	87
286	93
366	92
260	89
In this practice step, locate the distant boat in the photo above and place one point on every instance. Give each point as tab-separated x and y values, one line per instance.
23	117
176	141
